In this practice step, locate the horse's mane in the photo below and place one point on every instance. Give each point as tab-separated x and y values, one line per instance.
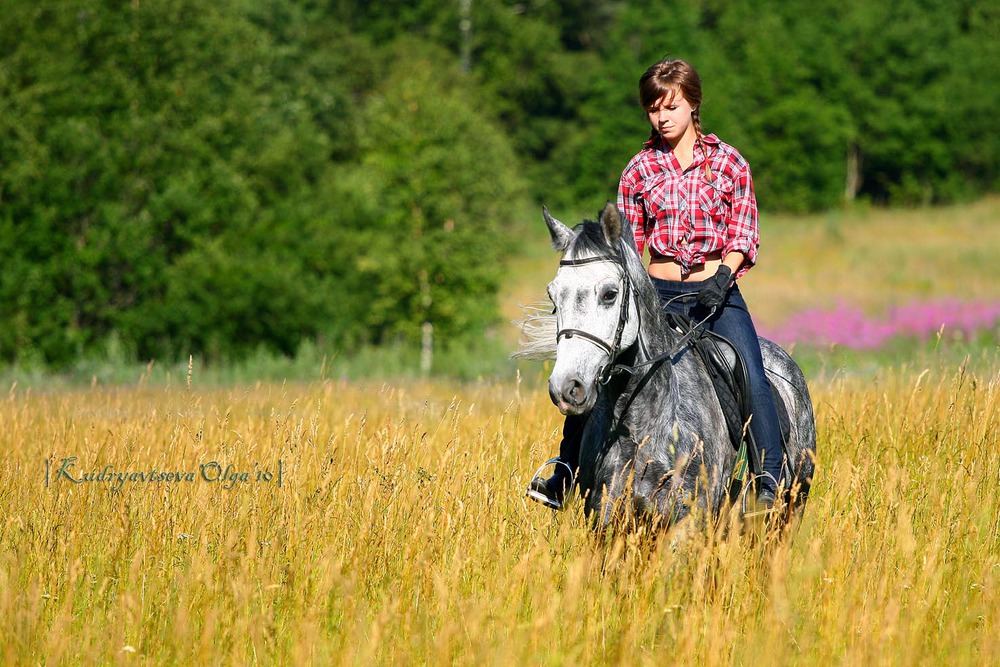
588	238
538	327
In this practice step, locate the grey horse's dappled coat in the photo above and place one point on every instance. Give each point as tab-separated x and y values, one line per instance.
656	441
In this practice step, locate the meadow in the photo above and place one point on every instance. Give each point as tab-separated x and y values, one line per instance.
181	519
399	534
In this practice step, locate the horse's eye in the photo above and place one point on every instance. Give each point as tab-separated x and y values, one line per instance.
609	295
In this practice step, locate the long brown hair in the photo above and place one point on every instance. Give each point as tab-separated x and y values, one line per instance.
665	78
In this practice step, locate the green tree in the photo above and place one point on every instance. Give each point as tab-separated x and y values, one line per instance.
863	99
210	177
429	205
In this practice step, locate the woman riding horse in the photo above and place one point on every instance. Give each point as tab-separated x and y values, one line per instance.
690	198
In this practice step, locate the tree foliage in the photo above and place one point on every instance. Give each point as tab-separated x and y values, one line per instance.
210	177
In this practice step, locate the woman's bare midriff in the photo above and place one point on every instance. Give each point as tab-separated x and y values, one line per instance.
665	268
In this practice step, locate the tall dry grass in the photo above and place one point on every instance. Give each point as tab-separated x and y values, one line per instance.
400	535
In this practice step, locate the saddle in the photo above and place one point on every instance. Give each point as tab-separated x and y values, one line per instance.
732	386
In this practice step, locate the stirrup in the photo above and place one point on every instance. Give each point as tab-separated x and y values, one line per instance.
751	484
541	497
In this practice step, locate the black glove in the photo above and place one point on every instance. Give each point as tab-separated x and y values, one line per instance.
713	294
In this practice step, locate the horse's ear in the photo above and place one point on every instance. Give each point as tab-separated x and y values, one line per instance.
560	233
611	223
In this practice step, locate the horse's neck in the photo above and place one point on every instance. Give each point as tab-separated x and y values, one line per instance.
654	333
645	395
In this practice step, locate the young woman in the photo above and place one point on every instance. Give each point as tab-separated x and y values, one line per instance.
689	198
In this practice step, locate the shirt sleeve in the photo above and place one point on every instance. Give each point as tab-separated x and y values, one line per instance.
630	204
743	233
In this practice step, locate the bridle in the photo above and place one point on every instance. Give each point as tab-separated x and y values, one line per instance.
613	349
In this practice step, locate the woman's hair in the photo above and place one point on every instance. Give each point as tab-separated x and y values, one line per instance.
665	78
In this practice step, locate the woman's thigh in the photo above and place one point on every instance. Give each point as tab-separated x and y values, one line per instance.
735	324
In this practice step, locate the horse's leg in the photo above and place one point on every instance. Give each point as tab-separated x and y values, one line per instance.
790	383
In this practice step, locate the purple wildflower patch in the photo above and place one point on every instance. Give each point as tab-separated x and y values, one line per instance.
848	326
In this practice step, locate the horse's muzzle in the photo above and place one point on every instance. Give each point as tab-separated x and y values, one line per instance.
571	395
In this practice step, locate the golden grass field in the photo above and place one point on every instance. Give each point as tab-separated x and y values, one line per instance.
400	535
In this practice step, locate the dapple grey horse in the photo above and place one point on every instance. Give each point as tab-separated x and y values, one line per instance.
655	442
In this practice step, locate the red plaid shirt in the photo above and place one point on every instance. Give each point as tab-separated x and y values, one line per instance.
683	216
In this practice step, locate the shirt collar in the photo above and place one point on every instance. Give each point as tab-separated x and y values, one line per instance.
656	141
697	159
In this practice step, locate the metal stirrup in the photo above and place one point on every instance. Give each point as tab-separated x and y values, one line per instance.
545	500
751	484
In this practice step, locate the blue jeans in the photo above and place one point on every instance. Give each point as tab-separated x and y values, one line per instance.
733	322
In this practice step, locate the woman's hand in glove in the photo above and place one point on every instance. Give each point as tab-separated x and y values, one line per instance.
713	294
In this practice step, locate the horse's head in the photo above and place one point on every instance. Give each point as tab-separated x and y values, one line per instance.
594	298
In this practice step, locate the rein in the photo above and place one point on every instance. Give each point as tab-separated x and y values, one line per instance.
677	347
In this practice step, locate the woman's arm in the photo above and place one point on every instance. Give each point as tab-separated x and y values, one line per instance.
742	236
734	260
630	204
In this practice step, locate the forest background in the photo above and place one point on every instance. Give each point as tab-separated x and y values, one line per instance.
223	179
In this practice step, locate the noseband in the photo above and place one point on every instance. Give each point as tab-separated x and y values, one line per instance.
614	348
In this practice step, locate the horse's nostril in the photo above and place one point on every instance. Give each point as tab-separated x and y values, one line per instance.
574	390
566	392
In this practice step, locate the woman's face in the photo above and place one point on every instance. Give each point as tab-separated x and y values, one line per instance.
671	117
